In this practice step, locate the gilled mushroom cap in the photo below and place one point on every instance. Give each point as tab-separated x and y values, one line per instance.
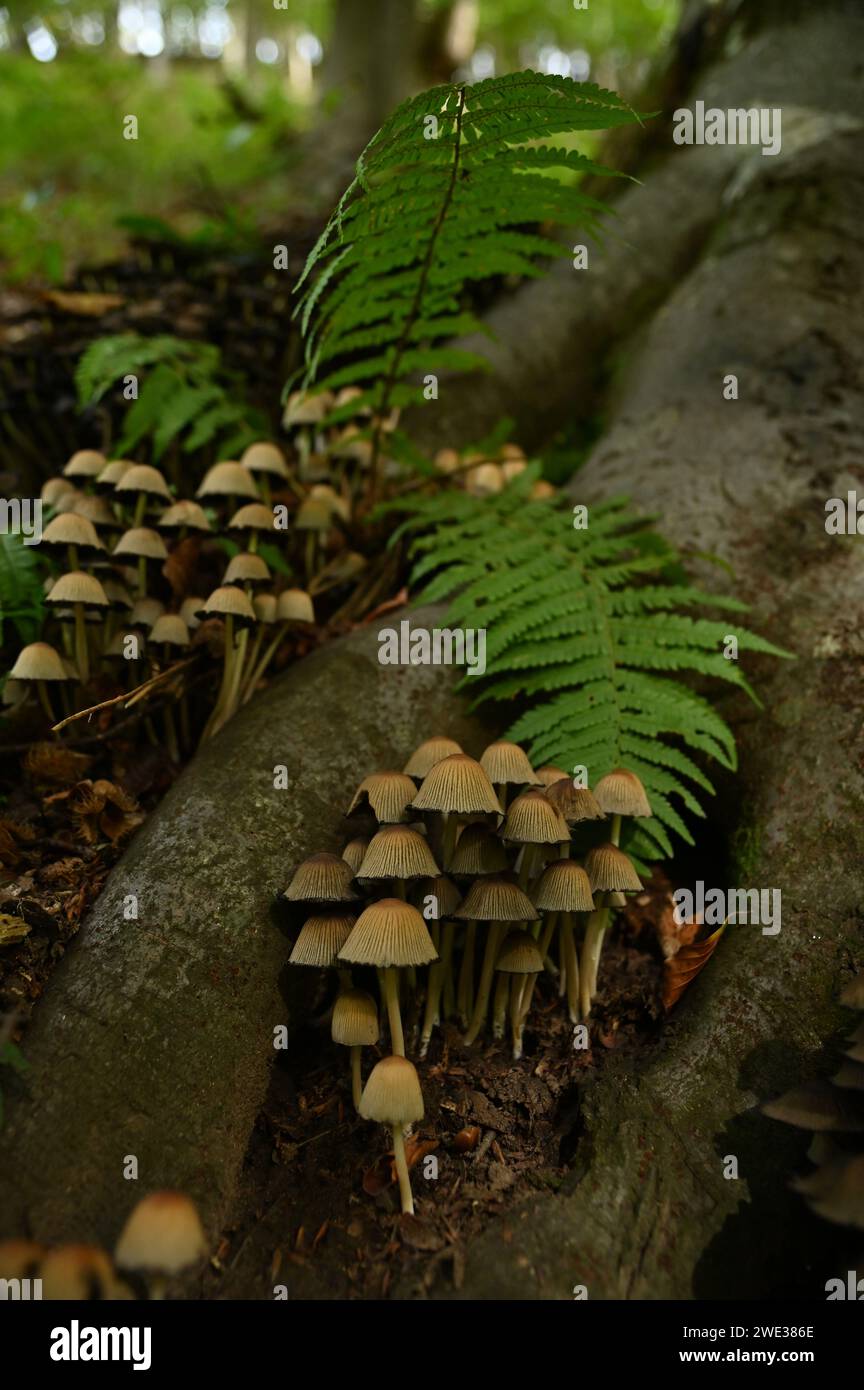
76	1272
519	955
818	1106
322	878
146	612
609	868
247	569
392	1095
113	472
478	851
228	479
321	939
265	457
389	932
228	602
171	630
185	513
266	608
336	504
397	851
189	610
120	599
77	587
496	900
142	543
353	853
355	1019
307	408
836	1190
52	490
430	752
71	529
162	1235
564	887
38	662
531	820
445	893
512	452
95	510
295	606
85	463
574	803
548	774
388	794
254	516
506	762
457	783
19	1259
349	394
484	480
621	793
447	460
142	477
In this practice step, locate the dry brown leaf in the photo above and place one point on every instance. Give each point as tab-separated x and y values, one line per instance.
12	929
86	304
51	762
181	567
685	965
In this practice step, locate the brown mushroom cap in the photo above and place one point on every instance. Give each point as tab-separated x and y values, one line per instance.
321	939
496	900
189	610
228	479
548	774
229	601
564	887
69	528
388	793
610	868
355	1019
295	606
322	878
113	472
519	955
621	793
19	1259
313	514
141	477
819	1106
397	851
392	1094
307	408
447	896
95	510
76	1272
354	852
162	1235
485	480
457	783
170	629
254	516
575	804
85	463
430	752
247	569
146	612
389	932
506	762
266	608
477	852
38	662
55	488
184	513
264	457
531	820
143	543
77	587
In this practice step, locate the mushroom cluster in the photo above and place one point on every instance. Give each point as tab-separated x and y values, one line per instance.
116	540
162	1237
462	891
485	474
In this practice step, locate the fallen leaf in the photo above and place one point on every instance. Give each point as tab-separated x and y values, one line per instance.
683	967
12	930
51	762
418	1233
86	304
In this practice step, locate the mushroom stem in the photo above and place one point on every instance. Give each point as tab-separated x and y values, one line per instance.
591	949
227	669
256	675
499	1007
140	505
481	1003
142	576
82	656
448	841
45	700
391	998
543	947
571	964
402	1170
615	832
356	1075
465	992
447	962
517	1017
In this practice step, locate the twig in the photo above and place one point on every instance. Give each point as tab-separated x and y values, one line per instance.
128	697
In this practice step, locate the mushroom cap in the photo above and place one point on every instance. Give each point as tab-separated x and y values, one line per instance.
351	443
113	472
353	853
119	596
531	820
336	504
38	662
549	773
254	516
430	752
96	510
189	610
85	463
163	1234
564	887
478	851
264	457
69	528
313	514
19	1257
76	1272
143	543
457	783
146	612
621	793
609	868
503	761
388	793
392	1094
519	955
355	1019
53	489
228	479
836	1190
142	477
247	569
447	460
295	606
170	629
445	892
511	468
78	587
819	1106
484	480
496	900
266	608
321	939
512	452
307	408
389	932
184	513
573	803
228	601
397	851
322	878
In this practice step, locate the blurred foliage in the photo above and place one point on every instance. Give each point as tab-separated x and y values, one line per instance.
20	588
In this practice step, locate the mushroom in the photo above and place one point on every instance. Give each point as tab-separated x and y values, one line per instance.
321	939
353	853
265	461
355	1024
548	773
144	546
235	608
397	852
322	878
162	1237
392	1097
73	534
111	474
255	519
495	901
183	517
457	785
478	852
621	793
86	464
95	510
39	664
146	612
139	486
226	482
609	870
80	592
532	822
247	569
388	794
314	516
389	934
564	888
430	752
519	957
19	1259
292	606
446	897
170	631
77	1272
505	764
55	488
